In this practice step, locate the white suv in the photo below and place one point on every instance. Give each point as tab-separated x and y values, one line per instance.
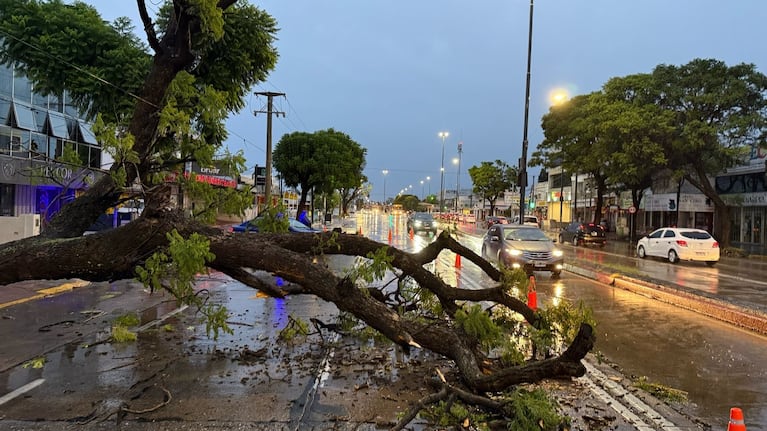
529	221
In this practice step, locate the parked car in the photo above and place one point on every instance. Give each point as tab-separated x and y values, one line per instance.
677	244
421	222
579	233
521	246
293	226
493	220
529	221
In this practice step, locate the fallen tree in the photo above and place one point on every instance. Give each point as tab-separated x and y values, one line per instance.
192	80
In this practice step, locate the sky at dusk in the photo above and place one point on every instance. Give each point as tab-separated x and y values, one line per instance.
393	74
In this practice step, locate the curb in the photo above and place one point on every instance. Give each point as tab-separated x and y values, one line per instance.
742	317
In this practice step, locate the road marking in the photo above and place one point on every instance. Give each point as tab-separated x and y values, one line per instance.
20	391
624	402
42	293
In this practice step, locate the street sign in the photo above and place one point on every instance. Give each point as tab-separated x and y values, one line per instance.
632	209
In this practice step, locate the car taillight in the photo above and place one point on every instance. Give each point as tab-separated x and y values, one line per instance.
715	245
681	243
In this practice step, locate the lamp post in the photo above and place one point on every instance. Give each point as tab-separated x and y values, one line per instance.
456	162
384	172
422	196
428	179
442	135
523	159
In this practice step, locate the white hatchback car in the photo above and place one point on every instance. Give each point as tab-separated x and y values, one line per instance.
677	244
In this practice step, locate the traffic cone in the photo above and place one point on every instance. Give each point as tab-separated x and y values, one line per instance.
457	260
736	420
389	236
412	234
532	295
359	232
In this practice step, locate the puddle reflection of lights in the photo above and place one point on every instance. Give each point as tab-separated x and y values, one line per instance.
558	293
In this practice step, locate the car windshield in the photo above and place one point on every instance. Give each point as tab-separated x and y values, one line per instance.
519	234
423	216
694	234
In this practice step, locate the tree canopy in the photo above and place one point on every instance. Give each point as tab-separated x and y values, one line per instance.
694	121
492	179
325	161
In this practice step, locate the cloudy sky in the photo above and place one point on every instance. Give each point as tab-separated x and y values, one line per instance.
393	74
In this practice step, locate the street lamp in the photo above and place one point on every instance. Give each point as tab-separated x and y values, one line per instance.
384	172
523	159
428	179
442	135
422	196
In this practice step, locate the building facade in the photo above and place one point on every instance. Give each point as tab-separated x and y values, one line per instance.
34	131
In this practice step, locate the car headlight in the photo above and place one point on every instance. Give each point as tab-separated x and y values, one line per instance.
418	223
557	253
514	252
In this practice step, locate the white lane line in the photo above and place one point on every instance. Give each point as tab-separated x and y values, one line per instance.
617	391
161	318
20	391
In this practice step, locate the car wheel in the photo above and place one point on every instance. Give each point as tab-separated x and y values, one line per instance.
711	263
641	252
561	239
484	252
575	241
672	256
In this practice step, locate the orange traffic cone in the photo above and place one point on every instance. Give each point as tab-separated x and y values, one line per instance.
359	232
736	420
457	260
389	236
412	234
532	295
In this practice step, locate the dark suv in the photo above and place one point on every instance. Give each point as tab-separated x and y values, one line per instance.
579	233
421	222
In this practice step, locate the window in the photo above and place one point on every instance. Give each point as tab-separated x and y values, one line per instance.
22	88
58	125
25	118
7	199
87	134
5	110
6	81
669	234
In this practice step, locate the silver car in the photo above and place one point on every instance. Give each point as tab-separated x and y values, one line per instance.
522	246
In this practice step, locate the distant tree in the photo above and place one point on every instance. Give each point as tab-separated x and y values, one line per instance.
408	202
325	161
492	179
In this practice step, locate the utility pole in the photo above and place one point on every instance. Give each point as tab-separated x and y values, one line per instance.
269	111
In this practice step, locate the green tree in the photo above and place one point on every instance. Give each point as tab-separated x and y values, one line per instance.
720	117
325	161
641	132
492	179
575	142
408	202
167	101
